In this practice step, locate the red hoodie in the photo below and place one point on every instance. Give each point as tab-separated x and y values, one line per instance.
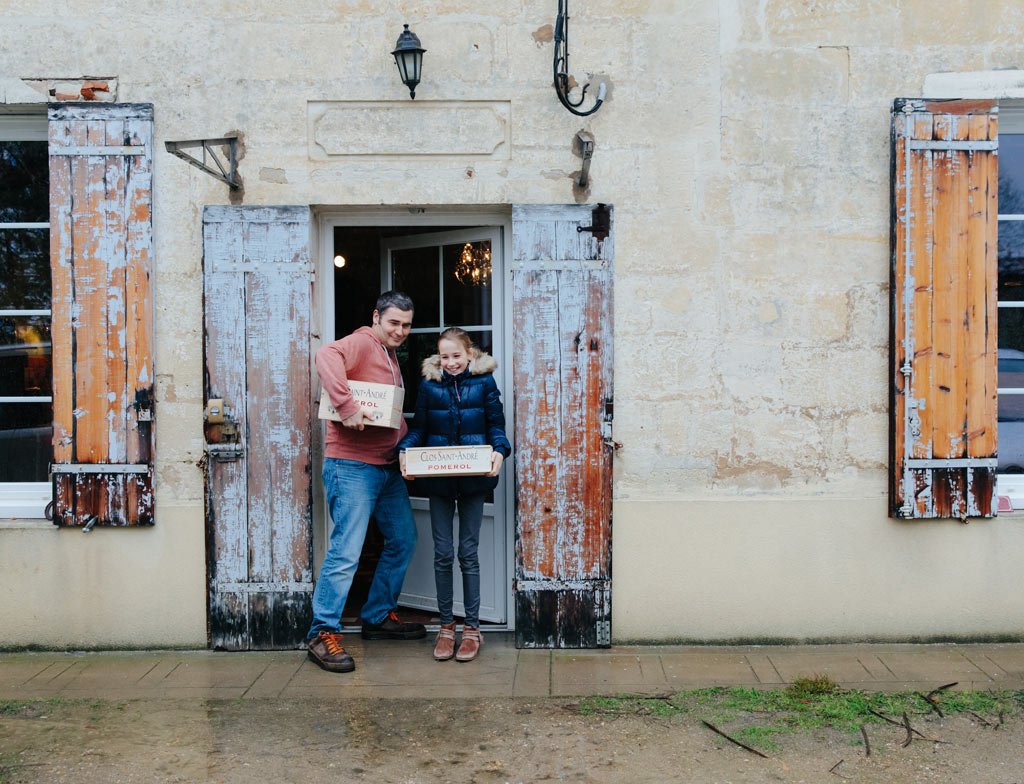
361	357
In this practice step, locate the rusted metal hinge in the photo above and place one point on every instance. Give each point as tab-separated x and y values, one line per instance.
606	425
601	227
224	453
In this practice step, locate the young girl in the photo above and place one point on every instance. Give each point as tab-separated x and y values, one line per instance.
458	405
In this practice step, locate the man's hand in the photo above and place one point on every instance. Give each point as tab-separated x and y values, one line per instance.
401	465
496	460
357	421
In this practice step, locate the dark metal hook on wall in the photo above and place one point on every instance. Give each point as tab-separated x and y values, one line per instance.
560	66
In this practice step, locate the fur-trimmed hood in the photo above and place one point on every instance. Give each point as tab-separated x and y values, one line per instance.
480	363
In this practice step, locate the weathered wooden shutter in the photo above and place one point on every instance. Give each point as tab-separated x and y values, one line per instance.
562	366
101	238
257	281
944	278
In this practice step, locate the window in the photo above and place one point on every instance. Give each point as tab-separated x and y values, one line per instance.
1011	303
429	267
26	407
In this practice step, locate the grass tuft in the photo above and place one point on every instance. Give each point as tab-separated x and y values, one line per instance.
813	685
758	716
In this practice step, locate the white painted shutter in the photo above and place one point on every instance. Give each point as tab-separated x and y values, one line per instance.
257	281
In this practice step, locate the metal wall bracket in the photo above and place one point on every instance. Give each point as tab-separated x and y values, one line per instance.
226	170
584	144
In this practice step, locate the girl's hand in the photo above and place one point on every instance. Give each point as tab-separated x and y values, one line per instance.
401	465
496	461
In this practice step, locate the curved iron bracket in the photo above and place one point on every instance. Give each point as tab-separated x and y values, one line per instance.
560	67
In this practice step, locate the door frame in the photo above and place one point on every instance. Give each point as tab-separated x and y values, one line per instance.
326	219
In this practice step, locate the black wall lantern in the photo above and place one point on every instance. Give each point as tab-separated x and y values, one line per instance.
409	58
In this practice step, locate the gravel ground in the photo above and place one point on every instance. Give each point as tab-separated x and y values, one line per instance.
487	740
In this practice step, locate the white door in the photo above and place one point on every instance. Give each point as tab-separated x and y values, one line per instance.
427	267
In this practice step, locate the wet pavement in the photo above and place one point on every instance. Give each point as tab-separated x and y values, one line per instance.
407	670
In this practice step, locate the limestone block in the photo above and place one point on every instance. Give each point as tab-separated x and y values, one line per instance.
741	24
843	140
869	314
178	431
959	23
750	369
459	50
743	139
839	379
17	91
178	483
683	428
714	197
479	129
785	77
672	366
678	247
833	23
867	438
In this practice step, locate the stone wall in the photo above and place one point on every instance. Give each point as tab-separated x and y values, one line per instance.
745	146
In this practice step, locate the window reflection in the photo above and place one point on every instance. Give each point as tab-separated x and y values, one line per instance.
24	182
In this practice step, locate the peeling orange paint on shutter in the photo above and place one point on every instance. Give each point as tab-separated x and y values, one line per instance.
101	258
944	278
562	310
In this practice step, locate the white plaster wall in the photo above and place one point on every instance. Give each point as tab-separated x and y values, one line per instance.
810	570
746	149
121	588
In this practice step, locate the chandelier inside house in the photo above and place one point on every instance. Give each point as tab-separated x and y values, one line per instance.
474	265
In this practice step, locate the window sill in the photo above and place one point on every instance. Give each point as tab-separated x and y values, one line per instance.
26	523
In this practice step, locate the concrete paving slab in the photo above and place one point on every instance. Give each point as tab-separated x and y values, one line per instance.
48	674
215	672
612	673
406	669
15	672
533	674
842	668
699	670
1009	660
765	671
274	679
939	666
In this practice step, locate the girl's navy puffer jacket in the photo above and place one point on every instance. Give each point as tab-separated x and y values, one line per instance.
462	410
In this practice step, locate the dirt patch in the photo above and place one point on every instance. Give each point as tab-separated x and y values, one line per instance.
487	740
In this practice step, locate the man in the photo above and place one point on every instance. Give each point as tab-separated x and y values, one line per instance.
361	478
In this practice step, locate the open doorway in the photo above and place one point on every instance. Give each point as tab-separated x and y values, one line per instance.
360	261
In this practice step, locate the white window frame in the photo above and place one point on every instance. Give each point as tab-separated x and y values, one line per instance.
1011	120
24	499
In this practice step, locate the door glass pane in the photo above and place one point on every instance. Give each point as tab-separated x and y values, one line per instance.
417	347
414	271
25	362
25	269
1011	431
467	284
24	182
483	340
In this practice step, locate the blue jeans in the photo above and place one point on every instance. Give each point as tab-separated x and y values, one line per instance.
471	513
355	491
